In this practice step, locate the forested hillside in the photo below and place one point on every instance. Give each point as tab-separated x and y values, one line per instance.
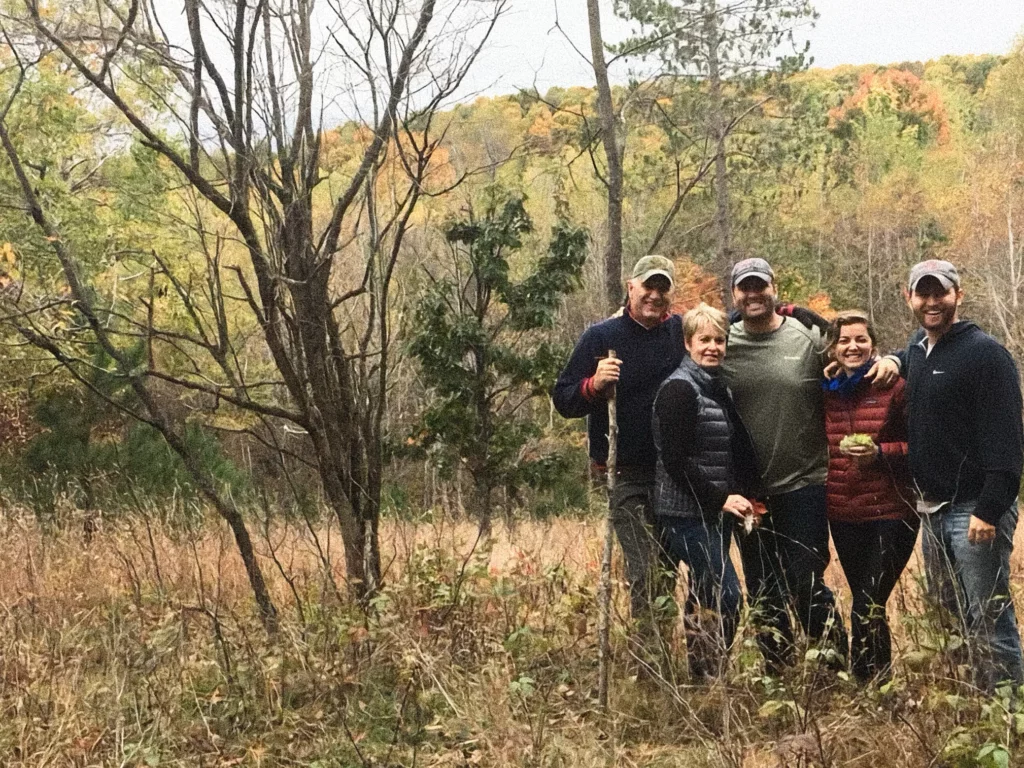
842	178
281	480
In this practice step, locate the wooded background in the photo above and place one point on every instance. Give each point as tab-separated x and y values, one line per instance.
213	302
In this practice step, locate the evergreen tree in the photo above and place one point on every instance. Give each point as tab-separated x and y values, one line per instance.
722	50
479	338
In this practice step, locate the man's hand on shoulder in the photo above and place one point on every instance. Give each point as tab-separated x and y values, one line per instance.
806	317
883	374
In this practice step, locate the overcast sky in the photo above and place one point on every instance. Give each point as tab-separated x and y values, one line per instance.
527	49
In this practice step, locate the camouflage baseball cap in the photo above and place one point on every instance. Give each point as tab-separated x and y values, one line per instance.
649	266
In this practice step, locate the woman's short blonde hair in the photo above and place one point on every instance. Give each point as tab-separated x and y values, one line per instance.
704	314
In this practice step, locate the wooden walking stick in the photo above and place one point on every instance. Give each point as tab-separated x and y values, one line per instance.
605	592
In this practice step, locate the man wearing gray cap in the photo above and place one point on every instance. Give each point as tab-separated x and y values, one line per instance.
648	344
966	451
774	369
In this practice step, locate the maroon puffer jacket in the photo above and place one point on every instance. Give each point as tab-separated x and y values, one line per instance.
883	490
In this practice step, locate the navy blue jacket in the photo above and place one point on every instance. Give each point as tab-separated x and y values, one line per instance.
964	435
648	357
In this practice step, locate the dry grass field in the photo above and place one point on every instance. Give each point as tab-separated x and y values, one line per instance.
142	648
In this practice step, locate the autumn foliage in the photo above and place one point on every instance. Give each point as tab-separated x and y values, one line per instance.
916	104
694	285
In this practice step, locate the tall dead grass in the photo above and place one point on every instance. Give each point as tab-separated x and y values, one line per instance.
143	648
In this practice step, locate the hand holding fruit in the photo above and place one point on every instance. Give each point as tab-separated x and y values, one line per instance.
752	519
737	505
859	447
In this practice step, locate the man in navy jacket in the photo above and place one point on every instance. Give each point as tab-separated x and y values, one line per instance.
966	451
648	345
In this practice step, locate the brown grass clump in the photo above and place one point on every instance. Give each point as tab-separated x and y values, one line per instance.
143	649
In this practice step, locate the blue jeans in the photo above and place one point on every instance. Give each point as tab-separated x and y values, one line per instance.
784	561
713	601
972	583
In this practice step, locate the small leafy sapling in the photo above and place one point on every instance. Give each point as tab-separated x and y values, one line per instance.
481	339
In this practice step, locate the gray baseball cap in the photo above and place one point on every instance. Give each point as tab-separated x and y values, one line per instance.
942	271
752	268
649	266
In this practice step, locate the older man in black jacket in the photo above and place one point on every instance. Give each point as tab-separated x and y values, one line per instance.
648	345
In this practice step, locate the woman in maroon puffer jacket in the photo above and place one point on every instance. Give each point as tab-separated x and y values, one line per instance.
870	500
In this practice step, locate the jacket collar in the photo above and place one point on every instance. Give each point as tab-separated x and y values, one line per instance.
703	376
661	321
958	328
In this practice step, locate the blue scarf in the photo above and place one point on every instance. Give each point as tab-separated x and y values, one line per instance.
844	384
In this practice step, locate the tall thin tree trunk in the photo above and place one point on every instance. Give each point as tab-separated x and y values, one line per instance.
372	504
871	275
1012	248
371	553
717	125
460	504
428	496
447	507
485	513
613	155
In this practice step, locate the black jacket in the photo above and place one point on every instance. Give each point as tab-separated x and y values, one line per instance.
648	356
704	452
965	436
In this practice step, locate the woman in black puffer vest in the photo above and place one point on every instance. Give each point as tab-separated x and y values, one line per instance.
705	471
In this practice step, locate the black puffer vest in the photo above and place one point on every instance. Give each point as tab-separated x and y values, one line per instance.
713	443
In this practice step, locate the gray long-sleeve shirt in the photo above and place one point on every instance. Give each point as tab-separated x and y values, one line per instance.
775	379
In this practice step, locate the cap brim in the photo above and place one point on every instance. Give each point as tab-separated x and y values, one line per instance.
759	275
944	281
645	276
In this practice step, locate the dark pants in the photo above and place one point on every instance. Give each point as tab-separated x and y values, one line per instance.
713	601
648	570
873	555
784	561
